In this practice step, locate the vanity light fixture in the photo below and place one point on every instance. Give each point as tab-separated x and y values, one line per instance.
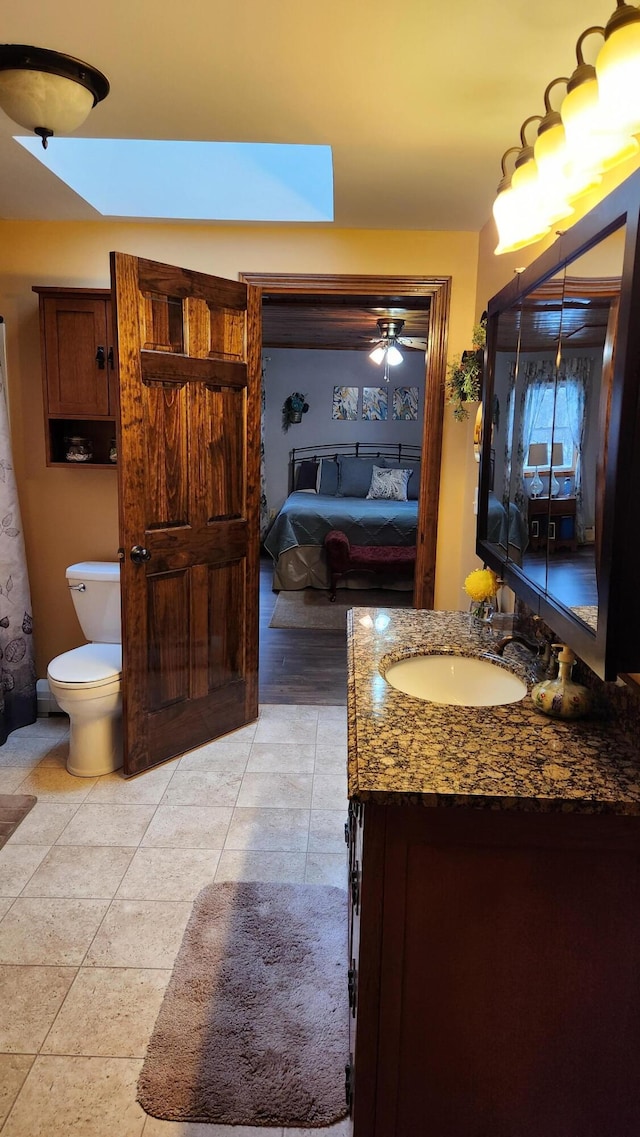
591	133
47	92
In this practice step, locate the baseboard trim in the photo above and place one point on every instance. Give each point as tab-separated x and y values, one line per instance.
47	704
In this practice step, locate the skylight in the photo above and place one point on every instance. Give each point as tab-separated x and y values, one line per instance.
198	181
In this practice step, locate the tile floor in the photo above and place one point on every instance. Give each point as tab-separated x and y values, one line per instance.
96	888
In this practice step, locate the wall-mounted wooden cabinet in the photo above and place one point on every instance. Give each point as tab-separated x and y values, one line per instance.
79	372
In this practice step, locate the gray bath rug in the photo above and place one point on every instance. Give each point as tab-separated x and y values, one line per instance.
311	607
254	1026
13	809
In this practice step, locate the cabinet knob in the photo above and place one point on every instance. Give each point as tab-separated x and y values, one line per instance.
100	358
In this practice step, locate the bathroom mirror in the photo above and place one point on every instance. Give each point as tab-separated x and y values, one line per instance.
556	517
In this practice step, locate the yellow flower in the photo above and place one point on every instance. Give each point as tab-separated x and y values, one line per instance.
481	584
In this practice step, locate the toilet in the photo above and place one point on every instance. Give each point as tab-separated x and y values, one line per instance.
86	682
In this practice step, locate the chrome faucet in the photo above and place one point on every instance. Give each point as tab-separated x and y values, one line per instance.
541	648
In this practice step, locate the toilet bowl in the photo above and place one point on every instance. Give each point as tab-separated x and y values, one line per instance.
87	681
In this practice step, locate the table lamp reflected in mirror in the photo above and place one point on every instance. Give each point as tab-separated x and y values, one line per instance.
538	456
557	460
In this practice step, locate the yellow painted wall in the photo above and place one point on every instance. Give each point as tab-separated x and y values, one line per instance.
71	515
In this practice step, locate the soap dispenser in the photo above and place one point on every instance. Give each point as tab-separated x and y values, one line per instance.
561	697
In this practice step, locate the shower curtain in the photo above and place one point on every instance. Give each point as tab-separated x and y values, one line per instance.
18	705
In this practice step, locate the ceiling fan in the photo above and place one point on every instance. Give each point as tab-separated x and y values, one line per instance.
386	348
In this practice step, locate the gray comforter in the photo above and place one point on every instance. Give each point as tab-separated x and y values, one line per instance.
306	518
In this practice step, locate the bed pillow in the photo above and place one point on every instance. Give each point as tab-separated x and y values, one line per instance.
355	475
413	486
307	477
390	485
327	482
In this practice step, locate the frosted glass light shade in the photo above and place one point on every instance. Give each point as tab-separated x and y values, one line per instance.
543	198
394	357
593	145
37	99
518	215
47	92
618	72
552	160
377	355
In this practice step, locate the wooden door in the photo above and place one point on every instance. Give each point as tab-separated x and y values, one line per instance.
188	459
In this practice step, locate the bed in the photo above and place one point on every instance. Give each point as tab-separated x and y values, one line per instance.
328	487
507	529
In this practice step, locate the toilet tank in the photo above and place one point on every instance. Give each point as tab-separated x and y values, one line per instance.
97	604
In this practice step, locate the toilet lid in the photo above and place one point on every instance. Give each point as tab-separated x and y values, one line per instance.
91	663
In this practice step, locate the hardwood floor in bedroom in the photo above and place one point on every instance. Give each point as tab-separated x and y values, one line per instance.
298	665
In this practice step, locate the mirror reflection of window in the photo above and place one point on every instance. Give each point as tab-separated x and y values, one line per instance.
555	412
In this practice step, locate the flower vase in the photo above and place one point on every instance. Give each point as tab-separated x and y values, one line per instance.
481	614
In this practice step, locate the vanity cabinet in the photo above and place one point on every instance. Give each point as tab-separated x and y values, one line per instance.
494	972
78	371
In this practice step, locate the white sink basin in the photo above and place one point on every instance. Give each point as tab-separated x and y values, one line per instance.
459	680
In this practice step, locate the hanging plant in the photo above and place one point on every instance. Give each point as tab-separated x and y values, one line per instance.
464	379
293	408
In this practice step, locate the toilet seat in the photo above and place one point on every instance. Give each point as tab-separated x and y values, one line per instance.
92	665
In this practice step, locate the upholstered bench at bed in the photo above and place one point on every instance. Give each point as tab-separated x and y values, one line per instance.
343	557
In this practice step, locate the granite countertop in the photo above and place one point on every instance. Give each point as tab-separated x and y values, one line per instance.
407	750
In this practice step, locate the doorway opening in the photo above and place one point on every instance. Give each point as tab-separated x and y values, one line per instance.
338	314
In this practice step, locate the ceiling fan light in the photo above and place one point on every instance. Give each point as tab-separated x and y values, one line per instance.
377	355
394	356
618	70
47	92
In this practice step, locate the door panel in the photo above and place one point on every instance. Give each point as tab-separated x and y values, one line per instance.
189	351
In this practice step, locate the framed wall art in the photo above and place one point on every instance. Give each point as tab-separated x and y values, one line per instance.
405	404
375	402
345	403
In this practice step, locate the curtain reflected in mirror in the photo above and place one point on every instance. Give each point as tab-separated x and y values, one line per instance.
553	367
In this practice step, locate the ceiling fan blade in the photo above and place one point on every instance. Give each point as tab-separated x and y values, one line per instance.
413	341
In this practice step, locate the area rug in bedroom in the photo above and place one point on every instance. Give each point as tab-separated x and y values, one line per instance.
311	607
13	809
254	1026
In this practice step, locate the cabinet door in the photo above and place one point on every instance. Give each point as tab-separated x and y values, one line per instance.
77	342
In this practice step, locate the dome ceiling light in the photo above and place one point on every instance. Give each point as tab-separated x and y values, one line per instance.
46	92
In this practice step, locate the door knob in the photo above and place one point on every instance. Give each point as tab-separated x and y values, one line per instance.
139	554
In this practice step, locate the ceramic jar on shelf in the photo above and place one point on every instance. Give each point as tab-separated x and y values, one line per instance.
78	449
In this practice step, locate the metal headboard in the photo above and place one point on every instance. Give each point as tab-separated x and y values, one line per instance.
400	451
